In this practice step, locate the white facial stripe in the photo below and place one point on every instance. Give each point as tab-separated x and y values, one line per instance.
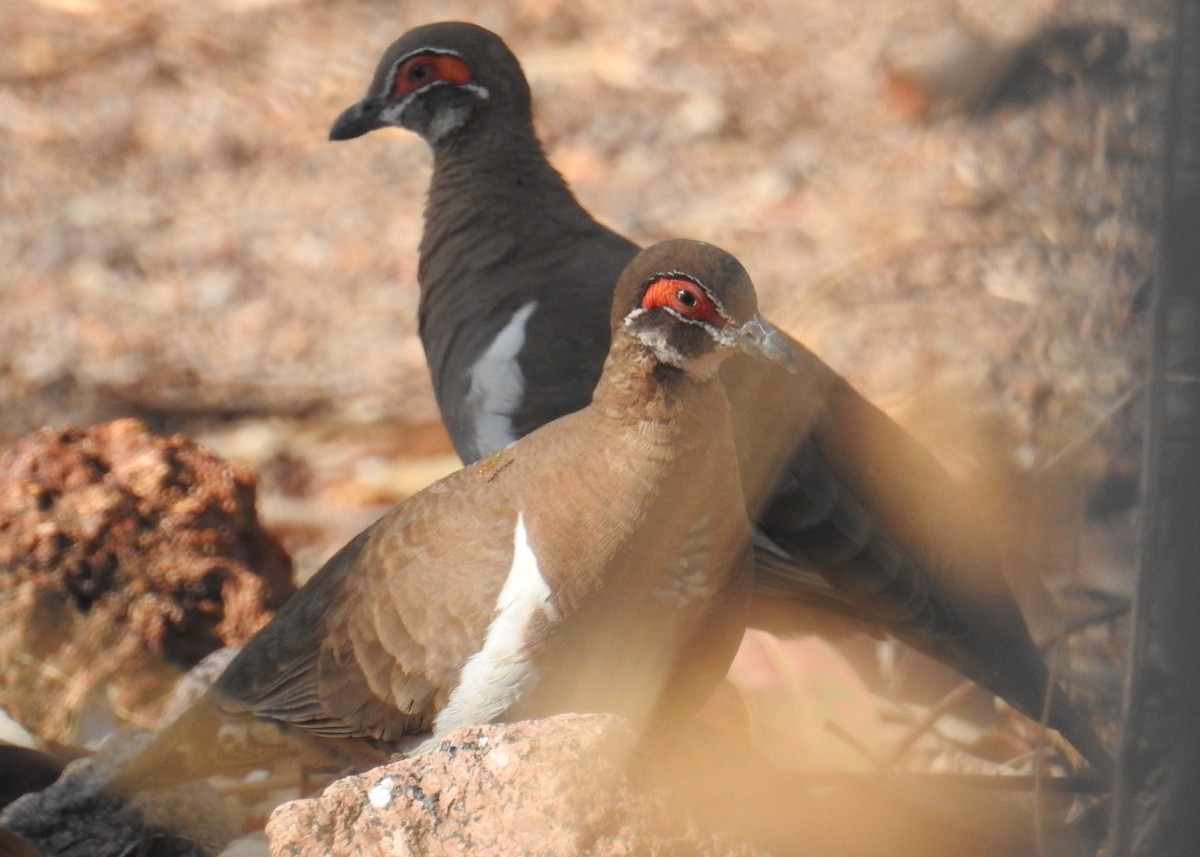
494	678
656	340
445	121
392	114
497	385
659	344
399	64
663	350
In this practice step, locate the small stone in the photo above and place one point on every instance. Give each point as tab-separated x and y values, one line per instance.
380	795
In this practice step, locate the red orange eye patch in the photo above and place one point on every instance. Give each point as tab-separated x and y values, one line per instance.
683	296
424	69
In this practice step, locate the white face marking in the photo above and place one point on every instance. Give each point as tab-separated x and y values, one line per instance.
494	678
475	88
655	341
444	122
391	114
497	385
702	367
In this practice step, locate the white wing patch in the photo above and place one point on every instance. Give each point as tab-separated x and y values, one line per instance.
497	385
494	678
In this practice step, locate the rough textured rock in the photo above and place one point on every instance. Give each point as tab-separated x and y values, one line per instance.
76	815
120	551
548	787
188	820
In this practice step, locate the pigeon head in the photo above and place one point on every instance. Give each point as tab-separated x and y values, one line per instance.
690	305
442	81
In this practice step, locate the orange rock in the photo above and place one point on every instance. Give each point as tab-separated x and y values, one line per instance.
552	787
123	554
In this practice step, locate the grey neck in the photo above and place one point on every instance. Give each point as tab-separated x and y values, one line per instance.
499	180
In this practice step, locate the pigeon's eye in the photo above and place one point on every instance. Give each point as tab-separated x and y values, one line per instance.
686	298
424	69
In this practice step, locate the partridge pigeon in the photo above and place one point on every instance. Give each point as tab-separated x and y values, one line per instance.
513	273
600	564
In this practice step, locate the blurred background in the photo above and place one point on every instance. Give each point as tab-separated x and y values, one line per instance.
951	203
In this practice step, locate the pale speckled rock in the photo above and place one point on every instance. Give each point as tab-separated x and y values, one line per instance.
548	787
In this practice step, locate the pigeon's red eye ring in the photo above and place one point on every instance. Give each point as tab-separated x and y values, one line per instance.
683	296
423	69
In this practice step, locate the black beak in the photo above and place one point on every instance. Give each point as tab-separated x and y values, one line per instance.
357	119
